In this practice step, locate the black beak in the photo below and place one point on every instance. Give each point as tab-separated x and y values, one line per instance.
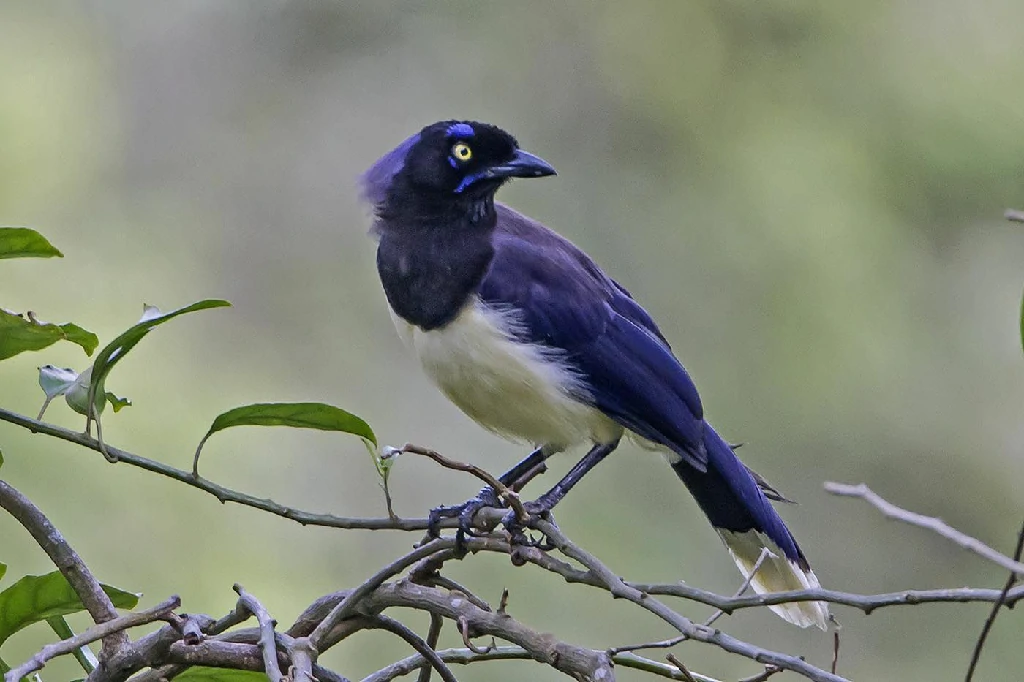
522	165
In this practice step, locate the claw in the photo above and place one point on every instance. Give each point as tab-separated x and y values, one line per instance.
517	527
464	513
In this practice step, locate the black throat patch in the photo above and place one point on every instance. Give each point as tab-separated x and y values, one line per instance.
430	269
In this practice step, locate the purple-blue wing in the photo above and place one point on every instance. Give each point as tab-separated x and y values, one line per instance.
566	302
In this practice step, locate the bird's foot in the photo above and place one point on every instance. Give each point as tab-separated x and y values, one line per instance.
517	526
464	512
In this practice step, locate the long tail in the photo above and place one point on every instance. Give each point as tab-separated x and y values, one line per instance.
747	523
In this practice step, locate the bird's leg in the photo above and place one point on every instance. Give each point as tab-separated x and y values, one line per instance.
543	505
516	477
487	497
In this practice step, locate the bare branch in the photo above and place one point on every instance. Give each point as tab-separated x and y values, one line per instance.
71	566
768	671
663	644
348	605
930	522
684	625
301	653
990	621
467	640
414	640
96	632
268	643
681	667
514	653
433	635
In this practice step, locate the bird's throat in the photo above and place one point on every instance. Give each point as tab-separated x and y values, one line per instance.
429	272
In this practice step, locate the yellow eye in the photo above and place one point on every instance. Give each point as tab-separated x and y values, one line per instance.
461	151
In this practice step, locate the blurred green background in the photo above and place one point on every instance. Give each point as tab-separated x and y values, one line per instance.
807	196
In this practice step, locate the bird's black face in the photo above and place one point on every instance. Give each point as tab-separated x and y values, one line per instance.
466	159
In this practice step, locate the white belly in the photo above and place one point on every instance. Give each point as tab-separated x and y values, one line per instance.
519	391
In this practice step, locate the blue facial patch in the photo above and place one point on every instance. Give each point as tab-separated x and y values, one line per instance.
467	181
461	130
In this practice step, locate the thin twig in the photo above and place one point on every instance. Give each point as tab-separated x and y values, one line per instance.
268	643
467	641
990	621
867	603
500	488
222	493
348	604
932	523
683	670
618	588
765	553
71	566
663	644
462	656
768	671
96	632
503	602
414	640
433	634
435	579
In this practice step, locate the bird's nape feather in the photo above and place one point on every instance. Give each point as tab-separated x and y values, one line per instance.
376	181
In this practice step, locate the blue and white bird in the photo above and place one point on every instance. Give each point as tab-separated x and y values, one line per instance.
530	338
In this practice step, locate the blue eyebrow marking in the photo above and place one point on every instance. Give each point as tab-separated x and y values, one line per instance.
461	130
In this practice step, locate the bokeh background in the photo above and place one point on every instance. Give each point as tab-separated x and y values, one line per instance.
808	197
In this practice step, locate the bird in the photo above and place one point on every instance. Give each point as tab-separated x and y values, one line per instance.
529	337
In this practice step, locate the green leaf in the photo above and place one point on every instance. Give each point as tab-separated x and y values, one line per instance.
117	402
298	415
21	242
35	598
19	333
201	674
114	351
3	569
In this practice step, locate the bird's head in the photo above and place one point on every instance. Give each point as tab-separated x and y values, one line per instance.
450	162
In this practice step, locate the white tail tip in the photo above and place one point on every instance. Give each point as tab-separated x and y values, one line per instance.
776	574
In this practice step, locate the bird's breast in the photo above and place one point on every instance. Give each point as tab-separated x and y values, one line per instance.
520	390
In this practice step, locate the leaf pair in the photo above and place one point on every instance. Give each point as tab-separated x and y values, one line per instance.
20	332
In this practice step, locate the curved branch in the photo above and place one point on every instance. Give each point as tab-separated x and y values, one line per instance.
99	631
990	621
71	566
932	523
347	606
220	492
516	653
414	640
